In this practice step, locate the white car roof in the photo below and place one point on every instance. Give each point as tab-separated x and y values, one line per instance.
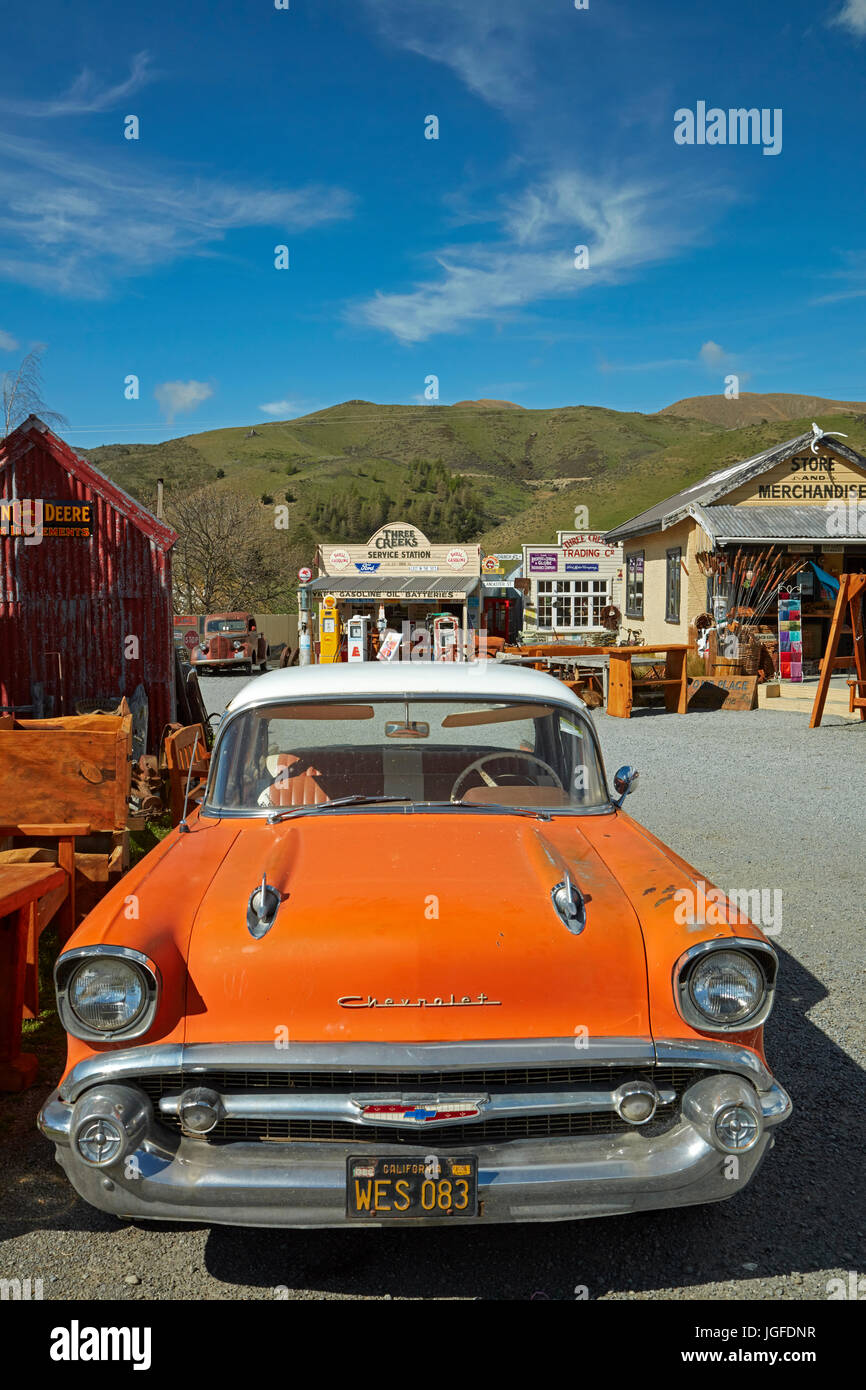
492	680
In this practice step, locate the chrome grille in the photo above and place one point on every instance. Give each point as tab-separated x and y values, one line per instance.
496	1078
482	1132
492	1130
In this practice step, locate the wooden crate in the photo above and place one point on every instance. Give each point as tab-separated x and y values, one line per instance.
73	769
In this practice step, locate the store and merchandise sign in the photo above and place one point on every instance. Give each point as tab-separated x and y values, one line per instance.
814	478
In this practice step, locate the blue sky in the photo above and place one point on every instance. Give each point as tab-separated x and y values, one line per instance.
412	257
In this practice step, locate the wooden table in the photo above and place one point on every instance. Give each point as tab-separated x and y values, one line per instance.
596	661
65	834
674	682
29	896
616	665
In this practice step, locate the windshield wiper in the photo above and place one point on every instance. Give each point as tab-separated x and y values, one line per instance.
276	816
486	806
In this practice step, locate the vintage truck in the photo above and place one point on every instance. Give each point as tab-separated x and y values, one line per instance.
411	962
230	639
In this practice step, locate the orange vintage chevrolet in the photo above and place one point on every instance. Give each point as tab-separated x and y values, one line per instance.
411	962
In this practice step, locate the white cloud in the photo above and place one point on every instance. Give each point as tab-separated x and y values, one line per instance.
713	356
74	227
7	342
485	42
84	96
852	16
719	362
181	397
275	408
624	227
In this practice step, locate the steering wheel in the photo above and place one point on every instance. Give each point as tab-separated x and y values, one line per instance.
494	757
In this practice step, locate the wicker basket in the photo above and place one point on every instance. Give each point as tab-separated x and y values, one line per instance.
750	656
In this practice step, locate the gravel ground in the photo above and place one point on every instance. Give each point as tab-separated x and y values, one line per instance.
754	801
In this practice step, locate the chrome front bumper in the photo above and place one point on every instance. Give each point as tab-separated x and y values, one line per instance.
164	1175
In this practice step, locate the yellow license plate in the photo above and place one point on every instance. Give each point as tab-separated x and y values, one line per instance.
390	1189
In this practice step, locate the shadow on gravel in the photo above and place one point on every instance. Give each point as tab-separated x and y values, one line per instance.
798	1214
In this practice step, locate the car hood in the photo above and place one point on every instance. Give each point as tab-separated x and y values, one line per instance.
414	927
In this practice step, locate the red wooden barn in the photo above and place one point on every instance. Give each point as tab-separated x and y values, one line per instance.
85	586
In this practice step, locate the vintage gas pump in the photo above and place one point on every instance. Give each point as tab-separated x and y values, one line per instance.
358	630
445	629
330	631
305	636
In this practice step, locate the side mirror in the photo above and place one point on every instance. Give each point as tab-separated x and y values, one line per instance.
624	781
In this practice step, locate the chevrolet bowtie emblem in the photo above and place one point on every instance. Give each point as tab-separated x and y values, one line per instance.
420	1110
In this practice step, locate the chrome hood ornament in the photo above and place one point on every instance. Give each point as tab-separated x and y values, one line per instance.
570	904
262	909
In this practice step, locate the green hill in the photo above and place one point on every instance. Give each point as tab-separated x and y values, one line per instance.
519	472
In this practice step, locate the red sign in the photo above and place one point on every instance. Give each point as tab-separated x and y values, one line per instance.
190	639
305	574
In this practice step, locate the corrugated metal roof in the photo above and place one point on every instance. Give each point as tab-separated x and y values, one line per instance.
415	586
769	523
33	432
723	480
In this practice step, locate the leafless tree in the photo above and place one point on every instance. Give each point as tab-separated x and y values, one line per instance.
229	556
21	394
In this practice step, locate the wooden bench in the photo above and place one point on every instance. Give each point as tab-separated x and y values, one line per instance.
181	747
856	700
674	682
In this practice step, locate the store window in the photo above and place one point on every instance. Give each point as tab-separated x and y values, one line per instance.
572	603
674	569
634	584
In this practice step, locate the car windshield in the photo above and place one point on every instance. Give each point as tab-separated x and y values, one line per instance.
227	625
472	752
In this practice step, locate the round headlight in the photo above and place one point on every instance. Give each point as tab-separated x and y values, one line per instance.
107	993
726	987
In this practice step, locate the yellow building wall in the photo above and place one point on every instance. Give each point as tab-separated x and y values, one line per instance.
653	627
